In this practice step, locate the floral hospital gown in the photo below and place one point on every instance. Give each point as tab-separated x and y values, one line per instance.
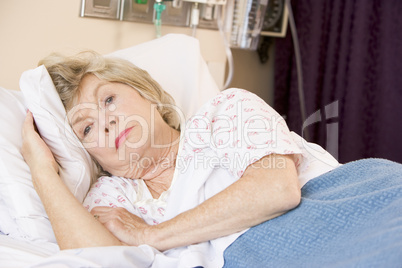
228	133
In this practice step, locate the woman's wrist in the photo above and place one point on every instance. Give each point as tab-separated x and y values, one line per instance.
153	235
149	236
41	176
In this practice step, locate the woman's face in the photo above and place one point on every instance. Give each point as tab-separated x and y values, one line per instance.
114	124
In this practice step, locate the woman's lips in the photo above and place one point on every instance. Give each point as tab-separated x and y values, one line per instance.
119	140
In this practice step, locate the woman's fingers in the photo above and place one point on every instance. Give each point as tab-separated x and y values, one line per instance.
98	210
126	226
34	150
109	215
101	213
27	137
28	124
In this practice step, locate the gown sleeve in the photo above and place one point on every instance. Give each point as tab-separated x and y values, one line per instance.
240	128
112	192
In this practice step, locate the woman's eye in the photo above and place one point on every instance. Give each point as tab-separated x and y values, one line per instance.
87	130
109	100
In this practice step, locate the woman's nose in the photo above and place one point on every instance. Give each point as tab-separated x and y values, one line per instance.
111	124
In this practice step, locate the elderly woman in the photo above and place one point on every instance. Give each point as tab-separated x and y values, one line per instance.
164	182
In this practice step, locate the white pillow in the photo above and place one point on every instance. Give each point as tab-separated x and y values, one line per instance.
174	61
22	214
76	166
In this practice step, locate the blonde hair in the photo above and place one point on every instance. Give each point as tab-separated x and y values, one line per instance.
67	73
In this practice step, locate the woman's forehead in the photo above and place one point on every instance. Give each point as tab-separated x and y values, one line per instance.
85	99
89	87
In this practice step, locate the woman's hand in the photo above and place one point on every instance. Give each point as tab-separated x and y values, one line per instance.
34	150
127	227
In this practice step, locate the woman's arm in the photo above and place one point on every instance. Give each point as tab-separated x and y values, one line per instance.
259	195
73	225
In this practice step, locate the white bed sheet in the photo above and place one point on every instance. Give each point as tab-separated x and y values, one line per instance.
16	253
22	253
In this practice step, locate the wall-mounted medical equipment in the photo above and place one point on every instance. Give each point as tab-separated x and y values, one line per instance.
276	19
143	11
242	20
176	13
107	9
239	21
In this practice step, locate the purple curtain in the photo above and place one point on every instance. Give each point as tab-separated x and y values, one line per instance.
352	65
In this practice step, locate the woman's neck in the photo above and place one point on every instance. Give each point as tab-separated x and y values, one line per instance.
158	177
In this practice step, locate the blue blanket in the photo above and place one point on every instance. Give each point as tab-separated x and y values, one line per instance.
349	217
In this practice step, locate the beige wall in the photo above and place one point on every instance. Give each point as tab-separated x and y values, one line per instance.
31	29
251	74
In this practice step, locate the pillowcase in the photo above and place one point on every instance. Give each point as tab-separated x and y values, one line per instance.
174	61
77	169
21	214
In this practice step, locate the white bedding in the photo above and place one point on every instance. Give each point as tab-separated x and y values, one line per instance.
22	253
18	253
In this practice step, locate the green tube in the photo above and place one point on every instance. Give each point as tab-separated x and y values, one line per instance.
159	8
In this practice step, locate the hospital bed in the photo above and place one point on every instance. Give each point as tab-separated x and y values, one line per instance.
349	217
